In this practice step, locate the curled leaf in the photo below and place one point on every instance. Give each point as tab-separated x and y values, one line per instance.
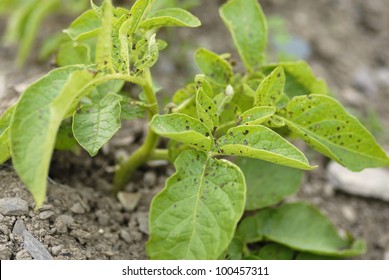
170	17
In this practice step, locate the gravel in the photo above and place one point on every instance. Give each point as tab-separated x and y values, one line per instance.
13	206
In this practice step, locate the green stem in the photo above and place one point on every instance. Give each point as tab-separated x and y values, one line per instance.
162	154
146	150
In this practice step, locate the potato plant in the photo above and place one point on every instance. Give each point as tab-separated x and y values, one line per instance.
228	133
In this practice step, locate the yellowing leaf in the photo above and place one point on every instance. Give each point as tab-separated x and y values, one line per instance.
214	67
260	142
324	124
36	120
271	89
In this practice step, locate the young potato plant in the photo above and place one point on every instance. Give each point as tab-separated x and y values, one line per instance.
228	133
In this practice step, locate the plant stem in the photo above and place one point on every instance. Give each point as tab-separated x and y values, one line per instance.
146	151
162	154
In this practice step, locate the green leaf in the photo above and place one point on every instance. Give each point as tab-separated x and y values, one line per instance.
271	88
202	82
71	53
257	115
235	250
206	110
138	12
260	142
183	128
5	152
36	120
247	24
100	91
5	119
123	31
131	111
86	26
65	140
94	124
5	123
185	99
222	99
301	227
121	42
300	80
170	17
150	57
104	39
273	251
213	66
267	183
324	124
195	216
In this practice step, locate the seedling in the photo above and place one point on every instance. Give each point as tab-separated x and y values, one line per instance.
228	133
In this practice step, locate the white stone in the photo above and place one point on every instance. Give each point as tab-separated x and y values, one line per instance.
368	183
129	201
349	213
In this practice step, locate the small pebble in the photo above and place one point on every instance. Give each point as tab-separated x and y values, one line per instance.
46	207
56	250
129	201
143	220
126	236
13	206
60	226
23	255
19	227
66	219
149	179
349	213
80	235
46	215
5	253
37	250
102	217
77	208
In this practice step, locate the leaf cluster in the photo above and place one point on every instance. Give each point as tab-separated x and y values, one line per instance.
229	133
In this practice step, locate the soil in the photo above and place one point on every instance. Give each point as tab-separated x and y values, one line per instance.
82	219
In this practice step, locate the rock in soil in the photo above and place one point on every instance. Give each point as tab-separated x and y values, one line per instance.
129	201
23	255
46	215
34	247
5	253
13	206
19	227
368	183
